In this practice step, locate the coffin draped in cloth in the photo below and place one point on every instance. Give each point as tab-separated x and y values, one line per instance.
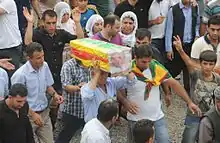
112	58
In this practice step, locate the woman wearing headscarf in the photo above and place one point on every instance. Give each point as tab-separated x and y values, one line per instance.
129	26
64	21
94	25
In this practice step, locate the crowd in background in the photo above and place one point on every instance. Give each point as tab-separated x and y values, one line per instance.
41	83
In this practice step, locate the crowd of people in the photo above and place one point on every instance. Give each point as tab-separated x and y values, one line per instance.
41	83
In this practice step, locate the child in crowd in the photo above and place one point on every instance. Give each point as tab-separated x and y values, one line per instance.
94	25
143	131
64	21
86	12
203	83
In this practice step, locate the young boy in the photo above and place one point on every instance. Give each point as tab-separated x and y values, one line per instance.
203	83
86	11
143	131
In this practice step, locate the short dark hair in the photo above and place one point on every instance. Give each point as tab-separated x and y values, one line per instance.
208	55
107	110
33	47
141	33
110	19
143	131
215	20
18	89
50	13
143	51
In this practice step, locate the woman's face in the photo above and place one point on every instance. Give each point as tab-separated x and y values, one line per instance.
97	26
65	18
127	26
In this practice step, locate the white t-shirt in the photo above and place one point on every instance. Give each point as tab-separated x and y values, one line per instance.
9	31
156	10
201	45
95	132
148	109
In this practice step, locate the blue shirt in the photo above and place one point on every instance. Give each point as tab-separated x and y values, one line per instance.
187	35
85	17
92	98
3	83
37	82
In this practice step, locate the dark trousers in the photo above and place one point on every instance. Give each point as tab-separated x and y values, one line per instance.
160	45
177	65
71	125
15	54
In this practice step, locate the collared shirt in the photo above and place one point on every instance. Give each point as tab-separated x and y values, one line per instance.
14	129
203	44
73	73
3	83
187	35
53	49
95	132
141	9
92	98
37	82
158	30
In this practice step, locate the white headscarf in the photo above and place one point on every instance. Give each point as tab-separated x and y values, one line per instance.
129	40
61	8
91	22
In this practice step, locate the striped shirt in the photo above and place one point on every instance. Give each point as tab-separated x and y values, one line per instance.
72	73
212	8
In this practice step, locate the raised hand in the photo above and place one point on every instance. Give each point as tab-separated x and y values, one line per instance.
177	43
28	15
76	15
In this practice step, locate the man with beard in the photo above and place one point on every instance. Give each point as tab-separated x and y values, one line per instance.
110	32
97	129
209	41
14	123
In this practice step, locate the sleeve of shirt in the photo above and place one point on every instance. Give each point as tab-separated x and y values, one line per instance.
122	81
197	23
207	14
49	77
86	92
18	77
36	36
169	31
196	49
205	131
68	37
6	5
6	84
67	76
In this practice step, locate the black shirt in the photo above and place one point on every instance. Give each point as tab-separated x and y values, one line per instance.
53	50
140	9
14	129
22	22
